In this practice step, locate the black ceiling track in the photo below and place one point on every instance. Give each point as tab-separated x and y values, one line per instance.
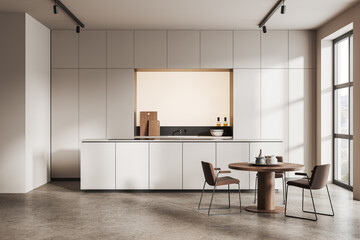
270	13
60	4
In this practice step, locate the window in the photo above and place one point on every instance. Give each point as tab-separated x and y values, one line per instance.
343	110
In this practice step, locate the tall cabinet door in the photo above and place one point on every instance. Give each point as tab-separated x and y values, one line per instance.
120	103
183	49
193	154
247	106
64	124
275	105
132	165
92	103
97	166
166	165
233	152
216	49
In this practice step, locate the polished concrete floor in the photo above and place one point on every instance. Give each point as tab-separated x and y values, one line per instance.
59	210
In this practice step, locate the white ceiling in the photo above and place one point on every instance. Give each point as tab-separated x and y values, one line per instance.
181	14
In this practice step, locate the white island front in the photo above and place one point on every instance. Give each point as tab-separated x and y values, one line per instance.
165	164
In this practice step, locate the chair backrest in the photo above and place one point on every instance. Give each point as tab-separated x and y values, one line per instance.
319	176
280	158
209	173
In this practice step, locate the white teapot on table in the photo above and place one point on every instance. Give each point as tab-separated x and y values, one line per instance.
271	159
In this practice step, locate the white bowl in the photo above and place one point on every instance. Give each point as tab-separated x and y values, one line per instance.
217	132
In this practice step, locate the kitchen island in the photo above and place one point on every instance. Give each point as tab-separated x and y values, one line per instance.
166	163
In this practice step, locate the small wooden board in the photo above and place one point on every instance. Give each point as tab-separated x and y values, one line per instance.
144	122
154	128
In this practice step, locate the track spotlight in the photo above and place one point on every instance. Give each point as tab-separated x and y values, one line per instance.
77	29
264	29
55	9
283	8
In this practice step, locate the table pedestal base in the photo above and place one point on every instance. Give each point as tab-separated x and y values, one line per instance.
277	209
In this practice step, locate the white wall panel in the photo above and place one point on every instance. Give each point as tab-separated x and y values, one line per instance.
64	49
274	49
92	49
65	124
183	49
246	49
120	49
301	49
120	103
92	103
150	49
246	104
216	49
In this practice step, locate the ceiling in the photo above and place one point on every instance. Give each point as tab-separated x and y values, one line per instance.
180	14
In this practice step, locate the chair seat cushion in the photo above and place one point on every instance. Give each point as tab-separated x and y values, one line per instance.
226	181
302	183
279	175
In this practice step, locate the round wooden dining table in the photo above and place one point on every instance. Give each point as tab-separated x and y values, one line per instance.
266	183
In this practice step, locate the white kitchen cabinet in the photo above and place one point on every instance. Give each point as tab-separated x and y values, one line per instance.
150	49
92	104
193	154
64	124
120	49
120	103
97	166
165	165
229	153
64	49
269	148
274	104
246	104
132	165
301	116
274	49
302	49
92	49
183	49
247	49
216	49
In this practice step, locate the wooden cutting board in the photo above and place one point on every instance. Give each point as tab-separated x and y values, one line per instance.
154	128
144	122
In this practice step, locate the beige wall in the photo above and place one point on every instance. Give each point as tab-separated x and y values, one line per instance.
24	103
12	102
323	99
184	98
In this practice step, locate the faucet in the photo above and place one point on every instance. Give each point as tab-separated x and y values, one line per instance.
179	131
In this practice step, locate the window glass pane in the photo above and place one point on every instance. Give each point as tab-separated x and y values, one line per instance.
351	58
341	110
351	162
351	110
342	160
342	61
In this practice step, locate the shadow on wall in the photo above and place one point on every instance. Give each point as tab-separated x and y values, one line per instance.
65	164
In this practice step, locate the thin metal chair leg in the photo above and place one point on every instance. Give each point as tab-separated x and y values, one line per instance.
287	190
212	196
229	194
332	209
302	200
256	182
239	197
283	181
312	199
201	195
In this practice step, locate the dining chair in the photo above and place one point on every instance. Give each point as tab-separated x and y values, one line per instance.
279	174
317	181
214	180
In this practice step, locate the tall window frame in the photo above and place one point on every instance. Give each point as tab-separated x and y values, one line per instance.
343	133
